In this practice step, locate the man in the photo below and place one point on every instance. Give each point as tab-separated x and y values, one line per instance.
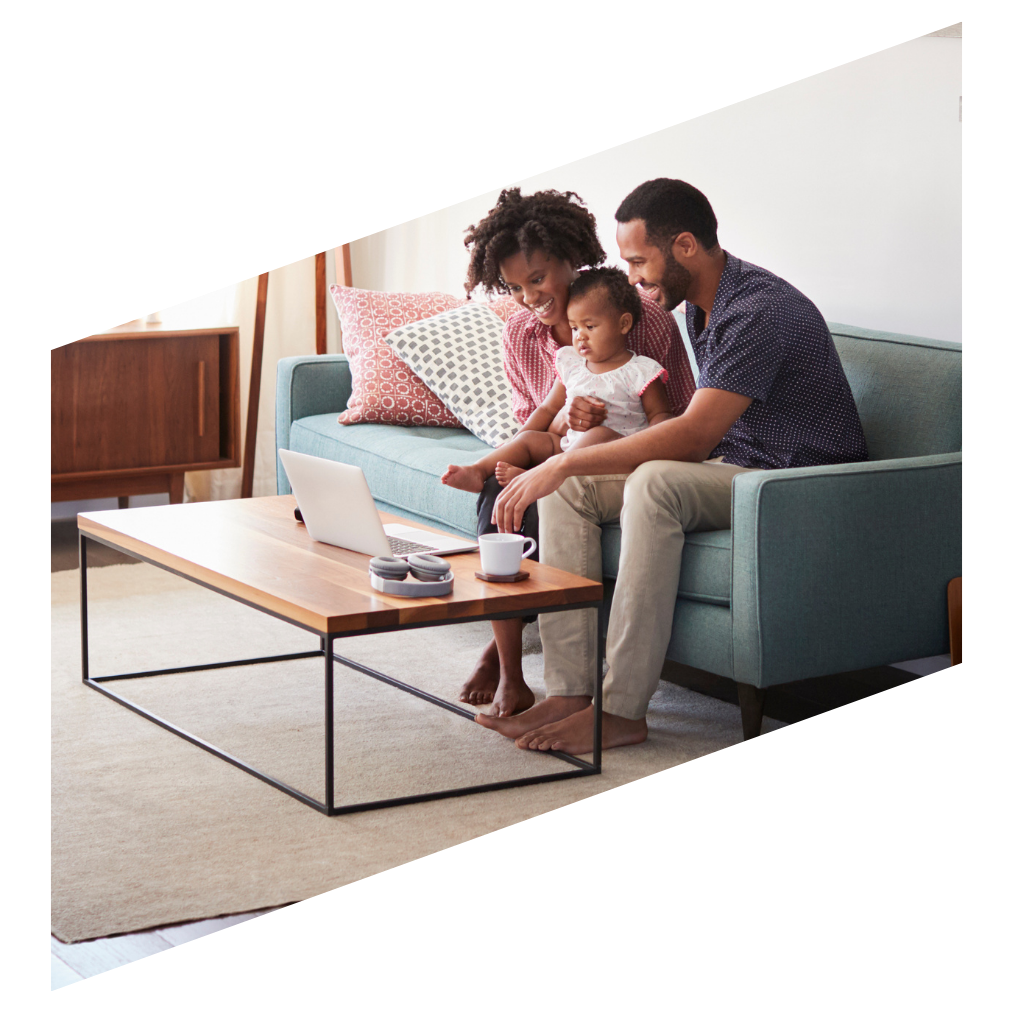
771	394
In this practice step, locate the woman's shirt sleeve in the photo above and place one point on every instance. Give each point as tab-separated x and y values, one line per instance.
522	403
657	337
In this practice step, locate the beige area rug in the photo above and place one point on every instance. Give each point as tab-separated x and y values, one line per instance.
150	830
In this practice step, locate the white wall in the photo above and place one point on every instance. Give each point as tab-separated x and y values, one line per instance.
847	184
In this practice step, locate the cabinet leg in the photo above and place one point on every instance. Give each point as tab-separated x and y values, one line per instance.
123	501
176	487
751	705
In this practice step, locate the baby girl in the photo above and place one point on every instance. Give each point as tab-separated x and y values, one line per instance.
603	309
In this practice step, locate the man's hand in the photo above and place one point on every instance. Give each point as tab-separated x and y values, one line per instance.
584	413
525	489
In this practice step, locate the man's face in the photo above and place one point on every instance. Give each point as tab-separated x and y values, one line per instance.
656	271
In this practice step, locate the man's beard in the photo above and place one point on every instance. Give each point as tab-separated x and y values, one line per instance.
675	282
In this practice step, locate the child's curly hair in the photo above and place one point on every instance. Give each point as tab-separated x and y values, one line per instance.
620	293
556	223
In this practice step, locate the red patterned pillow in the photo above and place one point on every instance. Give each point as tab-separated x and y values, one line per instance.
384	389
505	306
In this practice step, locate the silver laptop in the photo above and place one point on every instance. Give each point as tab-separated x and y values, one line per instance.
337	508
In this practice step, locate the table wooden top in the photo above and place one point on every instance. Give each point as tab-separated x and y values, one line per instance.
255	550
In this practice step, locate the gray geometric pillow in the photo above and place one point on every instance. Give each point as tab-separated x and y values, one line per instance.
459	356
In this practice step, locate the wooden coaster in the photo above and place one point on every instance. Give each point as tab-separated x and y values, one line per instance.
498	578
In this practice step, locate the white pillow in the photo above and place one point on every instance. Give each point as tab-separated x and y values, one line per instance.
459	356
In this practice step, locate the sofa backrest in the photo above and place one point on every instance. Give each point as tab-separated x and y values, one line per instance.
907	390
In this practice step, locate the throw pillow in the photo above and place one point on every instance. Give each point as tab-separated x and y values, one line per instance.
384	389
459	354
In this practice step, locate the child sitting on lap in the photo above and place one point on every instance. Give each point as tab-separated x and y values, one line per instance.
603	308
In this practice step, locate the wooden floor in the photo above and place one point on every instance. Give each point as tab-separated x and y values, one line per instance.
74	961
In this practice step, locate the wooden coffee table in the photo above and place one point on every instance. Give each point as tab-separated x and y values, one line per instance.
255	552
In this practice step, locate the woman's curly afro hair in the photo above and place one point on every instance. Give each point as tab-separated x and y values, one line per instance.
556	223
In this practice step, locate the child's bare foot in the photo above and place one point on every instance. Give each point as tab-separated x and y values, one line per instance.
513	695
463	476
483	682
507	472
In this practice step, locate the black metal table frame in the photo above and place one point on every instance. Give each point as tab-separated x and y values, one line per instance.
326	651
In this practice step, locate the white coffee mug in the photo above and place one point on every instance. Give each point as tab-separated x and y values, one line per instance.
502	554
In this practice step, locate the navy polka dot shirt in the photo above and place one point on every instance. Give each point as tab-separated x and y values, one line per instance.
769	342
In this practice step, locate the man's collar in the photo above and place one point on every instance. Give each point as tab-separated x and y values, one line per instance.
726	284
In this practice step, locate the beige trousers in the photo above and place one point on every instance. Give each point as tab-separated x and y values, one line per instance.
655	506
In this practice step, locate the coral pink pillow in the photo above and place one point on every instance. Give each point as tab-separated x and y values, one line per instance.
384	389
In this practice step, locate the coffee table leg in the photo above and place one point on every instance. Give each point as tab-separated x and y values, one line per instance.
329	723
82	556
599	679
328	807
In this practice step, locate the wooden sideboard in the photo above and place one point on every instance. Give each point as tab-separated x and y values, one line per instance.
133	409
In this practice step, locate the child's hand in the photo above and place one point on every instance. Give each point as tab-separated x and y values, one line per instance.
585	413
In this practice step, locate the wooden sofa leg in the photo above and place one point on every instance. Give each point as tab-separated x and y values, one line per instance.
751	706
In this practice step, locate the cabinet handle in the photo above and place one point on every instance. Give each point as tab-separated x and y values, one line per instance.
200	398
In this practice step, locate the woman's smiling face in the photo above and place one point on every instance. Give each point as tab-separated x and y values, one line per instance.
541	283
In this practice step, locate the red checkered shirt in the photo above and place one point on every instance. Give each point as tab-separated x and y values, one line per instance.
529	356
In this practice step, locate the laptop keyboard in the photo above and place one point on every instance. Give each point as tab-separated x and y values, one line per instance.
402	547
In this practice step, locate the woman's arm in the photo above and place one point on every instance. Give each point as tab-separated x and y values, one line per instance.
655	402
523	404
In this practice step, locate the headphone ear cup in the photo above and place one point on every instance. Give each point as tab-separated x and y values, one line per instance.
426	567
389	567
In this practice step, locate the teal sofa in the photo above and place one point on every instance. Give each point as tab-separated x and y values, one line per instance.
824	570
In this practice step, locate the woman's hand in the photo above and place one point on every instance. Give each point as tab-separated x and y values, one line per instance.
525	489
585	413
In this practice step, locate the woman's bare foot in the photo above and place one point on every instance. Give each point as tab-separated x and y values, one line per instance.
464	476
513	695
505	472
483	682
551	709
574	734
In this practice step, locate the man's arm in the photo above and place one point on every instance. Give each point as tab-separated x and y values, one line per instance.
689	437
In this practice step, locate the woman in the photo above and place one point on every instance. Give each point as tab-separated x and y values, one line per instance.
532	247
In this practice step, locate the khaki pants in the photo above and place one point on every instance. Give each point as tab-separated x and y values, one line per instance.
655	506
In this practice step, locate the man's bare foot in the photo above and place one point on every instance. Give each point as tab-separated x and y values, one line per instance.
575	734
513	695
551	709
505	473
463	476
483	682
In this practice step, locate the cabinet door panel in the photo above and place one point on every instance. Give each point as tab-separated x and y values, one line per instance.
135	403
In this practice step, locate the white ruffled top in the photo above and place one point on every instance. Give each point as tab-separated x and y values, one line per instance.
620	389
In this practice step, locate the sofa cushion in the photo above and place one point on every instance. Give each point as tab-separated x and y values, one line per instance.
459	354
384	389
402	466
706	564
907	390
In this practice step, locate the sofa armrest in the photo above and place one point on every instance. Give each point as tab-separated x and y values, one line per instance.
307	385
842	567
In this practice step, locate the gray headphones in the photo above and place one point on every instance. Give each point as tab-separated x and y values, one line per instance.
386	573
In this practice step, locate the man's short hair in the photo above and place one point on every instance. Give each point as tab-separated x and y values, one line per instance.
668	207
616	286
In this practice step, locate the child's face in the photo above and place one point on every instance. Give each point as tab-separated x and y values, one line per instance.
599	329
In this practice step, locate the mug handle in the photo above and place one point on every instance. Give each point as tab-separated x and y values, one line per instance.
534	545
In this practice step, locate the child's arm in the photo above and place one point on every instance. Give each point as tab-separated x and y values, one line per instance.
545	414
655	402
